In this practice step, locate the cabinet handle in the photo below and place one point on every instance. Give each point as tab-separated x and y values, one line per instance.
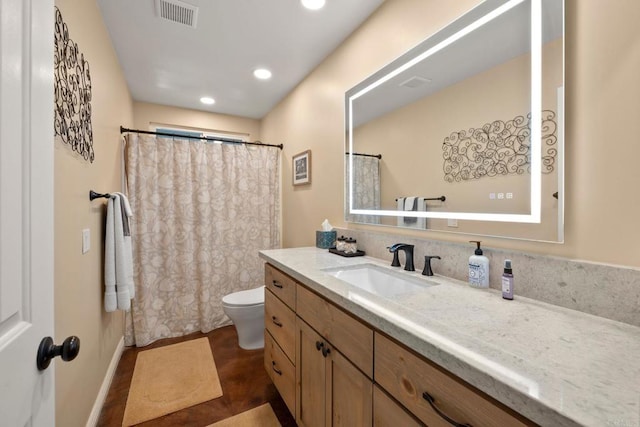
426	396
319	345
275	321
325	351
277	285
276	370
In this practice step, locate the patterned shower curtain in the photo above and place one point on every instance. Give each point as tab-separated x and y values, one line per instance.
202	211
366	188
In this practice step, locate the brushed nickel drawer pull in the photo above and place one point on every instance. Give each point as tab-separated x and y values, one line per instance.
426	396
275	321
277	284
276	370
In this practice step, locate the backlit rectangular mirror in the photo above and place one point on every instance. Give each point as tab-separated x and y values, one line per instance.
464	133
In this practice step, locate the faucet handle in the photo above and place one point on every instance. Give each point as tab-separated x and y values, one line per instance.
427	265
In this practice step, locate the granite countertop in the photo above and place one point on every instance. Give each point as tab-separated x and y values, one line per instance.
557	367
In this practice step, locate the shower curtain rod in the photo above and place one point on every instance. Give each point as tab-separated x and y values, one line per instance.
379	156
207	138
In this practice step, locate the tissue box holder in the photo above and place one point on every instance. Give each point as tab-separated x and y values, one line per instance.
325	239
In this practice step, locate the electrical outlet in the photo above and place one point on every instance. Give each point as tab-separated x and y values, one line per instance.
86	240
452	222
509	195
500	196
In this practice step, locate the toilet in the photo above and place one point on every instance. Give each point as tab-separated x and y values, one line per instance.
246	311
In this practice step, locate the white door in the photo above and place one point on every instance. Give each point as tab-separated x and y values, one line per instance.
26	209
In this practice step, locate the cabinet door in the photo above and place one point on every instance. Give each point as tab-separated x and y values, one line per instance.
350	398
311	369
387	413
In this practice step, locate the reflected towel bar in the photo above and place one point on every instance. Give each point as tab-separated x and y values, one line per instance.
378	156
93	195
441	198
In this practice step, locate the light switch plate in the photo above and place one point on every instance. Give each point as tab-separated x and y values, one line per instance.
86	240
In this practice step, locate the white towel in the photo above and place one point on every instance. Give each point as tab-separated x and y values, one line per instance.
408	204
128	250
110	302
122	286
127	206
118	261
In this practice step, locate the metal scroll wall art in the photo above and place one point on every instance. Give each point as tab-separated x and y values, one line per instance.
72	93
498	148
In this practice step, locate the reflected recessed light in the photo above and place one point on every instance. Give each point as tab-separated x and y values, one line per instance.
313	4
207	100
262	73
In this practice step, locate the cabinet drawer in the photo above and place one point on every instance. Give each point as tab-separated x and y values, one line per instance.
407	376
387	413
352	337
283	286
280	321
281	371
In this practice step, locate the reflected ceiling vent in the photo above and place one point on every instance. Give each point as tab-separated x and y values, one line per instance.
415	81
177	11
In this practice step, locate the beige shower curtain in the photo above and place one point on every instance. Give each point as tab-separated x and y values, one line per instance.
202	211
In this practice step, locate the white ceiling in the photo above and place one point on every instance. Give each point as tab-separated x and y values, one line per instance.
172	64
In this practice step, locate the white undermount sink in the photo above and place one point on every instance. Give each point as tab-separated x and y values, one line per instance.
379	280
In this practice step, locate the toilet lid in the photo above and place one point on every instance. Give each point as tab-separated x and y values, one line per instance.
245	298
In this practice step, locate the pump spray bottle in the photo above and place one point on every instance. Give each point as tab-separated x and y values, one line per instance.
507	280
478	268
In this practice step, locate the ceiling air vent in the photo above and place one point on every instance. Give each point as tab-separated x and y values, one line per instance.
177	11
415	81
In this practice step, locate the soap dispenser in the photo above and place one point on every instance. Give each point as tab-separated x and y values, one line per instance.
478	268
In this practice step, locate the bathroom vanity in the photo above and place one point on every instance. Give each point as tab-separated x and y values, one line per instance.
344	354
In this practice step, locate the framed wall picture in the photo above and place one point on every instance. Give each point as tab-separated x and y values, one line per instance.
302	168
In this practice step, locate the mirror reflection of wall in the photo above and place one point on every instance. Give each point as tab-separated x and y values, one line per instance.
417	139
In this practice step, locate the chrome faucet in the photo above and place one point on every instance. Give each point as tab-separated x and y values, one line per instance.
427	271
408	255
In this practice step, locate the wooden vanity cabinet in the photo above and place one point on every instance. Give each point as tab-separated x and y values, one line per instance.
279	334
321	359
388	413
353	338
407	377
330	390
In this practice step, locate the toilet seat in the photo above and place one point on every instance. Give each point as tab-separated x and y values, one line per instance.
246	298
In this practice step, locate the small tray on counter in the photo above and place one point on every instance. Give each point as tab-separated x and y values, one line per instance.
343	253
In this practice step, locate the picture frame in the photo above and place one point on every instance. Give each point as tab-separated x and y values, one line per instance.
301	168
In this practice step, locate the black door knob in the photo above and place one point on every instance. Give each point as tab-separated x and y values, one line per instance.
48	350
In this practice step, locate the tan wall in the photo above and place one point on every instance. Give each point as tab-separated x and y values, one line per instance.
312	116
79	278
601	106
146	114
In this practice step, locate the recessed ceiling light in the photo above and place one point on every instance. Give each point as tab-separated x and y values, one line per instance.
262	74
313	4
207	100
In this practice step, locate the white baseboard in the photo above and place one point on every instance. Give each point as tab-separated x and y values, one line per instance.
106	383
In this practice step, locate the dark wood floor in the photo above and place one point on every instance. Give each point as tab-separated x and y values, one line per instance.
244	381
